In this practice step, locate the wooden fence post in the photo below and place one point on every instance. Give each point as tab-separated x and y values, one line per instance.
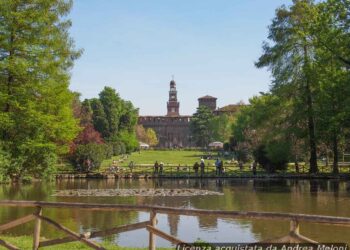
37	228
152	237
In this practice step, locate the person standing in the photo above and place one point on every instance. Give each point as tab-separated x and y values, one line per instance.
131	166
240	164
296	167
217	166
254	167
156	165
202	167
161	166
195	168
221	167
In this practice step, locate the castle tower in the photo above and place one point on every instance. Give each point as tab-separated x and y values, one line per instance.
208	101
173	104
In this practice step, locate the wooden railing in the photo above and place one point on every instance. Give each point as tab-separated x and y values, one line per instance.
292	237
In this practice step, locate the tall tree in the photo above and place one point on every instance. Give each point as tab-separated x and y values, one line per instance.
290	59
36	53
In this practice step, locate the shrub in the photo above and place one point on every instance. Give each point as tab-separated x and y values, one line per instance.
129	140
5	161
90	156
273	156
118	148
32	159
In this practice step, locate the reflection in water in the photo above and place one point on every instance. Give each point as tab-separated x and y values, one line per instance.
173	221
314	184
297	196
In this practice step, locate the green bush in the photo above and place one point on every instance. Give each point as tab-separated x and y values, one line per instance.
5	161
129	140
89	157
122	148
32	159
279	154
118	148
273	156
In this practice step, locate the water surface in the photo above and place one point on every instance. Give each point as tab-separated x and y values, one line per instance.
296	196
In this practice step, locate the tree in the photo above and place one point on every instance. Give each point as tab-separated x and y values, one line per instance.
141	134
99	118
112	106
128	117
333	102
152	139
221	126
290	59
331	32
262	129
200	126
36	53
115	119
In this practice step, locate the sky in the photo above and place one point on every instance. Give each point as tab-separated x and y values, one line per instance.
135	46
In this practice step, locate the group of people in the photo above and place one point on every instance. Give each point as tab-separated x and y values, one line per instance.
200	166
158	167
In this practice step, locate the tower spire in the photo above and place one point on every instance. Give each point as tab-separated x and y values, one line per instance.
173	105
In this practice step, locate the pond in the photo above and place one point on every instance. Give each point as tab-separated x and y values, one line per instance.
297	196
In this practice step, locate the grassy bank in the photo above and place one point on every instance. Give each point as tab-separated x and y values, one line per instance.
168	157
26	243
144	161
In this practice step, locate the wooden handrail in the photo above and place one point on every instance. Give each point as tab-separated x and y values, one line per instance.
342	221
292	237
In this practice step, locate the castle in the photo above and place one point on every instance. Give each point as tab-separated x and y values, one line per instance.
173	129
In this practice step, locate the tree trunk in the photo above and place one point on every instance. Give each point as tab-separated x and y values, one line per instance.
310	117
335	154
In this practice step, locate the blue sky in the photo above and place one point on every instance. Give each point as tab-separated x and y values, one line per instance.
135	46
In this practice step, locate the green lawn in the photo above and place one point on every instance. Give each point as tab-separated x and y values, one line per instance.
176	162
168	157
145	159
